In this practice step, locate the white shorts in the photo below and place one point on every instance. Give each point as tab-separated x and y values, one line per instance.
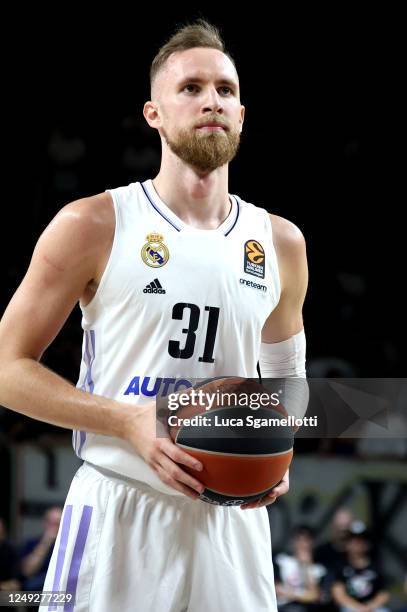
123	546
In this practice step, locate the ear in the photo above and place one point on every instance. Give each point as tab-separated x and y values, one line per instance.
242	113
151	114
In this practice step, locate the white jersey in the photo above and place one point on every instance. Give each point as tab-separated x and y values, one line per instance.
174	303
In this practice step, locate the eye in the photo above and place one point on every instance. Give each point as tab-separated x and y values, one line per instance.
190	88
225	91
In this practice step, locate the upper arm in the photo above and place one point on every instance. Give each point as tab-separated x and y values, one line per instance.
64	262
286	318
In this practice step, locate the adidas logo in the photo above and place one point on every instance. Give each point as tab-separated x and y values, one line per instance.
154	287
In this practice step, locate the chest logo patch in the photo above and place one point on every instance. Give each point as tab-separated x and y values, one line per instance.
254	258
155	253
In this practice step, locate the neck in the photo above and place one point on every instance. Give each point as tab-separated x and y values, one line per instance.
199	199
359	560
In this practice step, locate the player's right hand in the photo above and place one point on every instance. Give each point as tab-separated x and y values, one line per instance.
153	443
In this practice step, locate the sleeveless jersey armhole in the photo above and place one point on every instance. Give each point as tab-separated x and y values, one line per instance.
97	297
269	225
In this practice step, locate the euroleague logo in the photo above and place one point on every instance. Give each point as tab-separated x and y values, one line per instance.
254	258
155	253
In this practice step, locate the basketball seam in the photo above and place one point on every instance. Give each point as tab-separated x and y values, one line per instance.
243	455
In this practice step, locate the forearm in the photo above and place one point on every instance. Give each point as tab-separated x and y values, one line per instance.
308	595
32	562
342	598
286	360
379	600
284	591
29	388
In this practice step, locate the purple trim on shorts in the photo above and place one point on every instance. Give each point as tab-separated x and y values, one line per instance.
66	525
77	556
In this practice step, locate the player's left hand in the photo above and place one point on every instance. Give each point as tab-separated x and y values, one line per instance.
271	497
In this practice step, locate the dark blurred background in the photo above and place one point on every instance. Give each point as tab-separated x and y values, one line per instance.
321	146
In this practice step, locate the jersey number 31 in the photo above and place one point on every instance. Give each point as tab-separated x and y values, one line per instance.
185	352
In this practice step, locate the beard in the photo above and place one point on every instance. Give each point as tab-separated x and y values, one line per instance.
204	151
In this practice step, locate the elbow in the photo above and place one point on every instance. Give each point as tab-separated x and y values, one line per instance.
11	377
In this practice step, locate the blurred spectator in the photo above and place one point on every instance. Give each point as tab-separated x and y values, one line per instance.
404	608
383	441
36	553
8	562
332	553
297	577
359	585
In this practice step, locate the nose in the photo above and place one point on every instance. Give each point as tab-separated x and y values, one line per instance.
212	101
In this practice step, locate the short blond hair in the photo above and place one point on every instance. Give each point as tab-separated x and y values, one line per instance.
201	33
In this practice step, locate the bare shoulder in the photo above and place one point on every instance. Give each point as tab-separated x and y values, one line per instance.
81	229
64	269
290	246
90	217
288	239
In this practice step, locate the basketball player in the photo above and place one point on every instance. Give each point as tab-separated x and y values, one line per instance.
176	279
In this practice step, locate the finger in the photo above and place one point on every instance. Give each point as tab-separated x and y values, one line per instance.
250	505
259	504
280	490
178	486
176	473
268	499
179	456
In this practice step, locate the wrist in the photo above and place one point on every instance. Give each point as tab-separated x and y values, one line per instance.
120	419
129	418
44	544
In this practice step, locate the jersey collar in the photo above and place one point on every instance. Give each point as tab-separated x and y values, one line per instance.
162	209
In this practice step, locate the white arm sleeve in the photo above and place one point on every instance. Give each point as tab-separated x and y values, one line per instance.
282	359
286	360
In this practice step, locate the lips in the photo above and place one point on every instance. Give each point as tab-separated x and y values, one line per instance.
212	126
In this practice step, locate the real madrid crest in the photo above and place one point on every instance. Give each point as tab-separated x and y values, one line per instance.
154	253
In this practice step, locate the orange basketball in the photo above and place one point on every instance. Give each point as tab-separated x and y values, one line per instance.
245	447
